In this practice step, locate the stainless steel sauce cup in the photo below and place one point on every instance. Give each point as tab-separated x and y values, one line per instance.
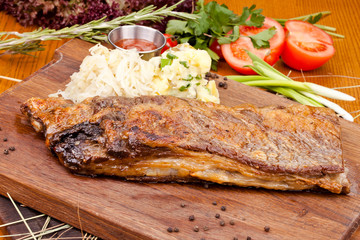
139	32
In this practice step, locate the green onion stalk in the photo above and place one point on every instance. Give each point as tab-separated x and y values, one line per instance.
303	92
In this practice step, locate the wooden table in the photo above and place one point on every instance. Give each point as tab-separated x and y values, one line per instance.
345	62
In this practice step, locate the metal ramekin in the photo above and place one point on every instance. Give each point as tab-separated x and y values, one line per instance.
139	32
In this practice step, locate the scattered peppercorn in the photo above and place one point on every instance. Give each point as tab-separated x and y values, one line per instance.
191	218
170	229
182	205
202	238
0	129
217	215
222	223
225	78
214	203
225	85
176	229
223	208
248	238
235	238
5	139
6	152
196	229
221	84
206	228
232	222
12	148
266	228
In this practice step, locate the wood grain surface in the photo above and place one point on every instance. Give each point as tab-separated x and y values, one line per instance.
345	62
116	209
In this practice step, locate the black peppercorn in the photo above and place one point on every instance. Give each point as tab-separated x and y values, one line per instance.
223	208
191	218
214	203
221	84
176	229
222	223
5	139
170	229
232	222
225	78
206	228
248	238
6	152
266	228
217	215
12	148
235	238
182	205
225	85
196	229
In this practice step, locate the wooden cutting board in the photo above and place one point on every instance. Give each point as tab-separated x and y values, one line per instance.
116	209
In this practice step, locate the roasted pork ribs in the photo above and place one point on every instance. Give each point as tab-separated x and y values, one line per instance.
164	138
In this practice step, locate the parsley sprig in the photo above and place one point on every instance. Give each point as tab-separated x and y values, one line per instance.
214	21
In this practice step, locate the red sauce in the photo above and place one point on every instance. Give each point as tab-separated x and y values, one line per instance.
139	44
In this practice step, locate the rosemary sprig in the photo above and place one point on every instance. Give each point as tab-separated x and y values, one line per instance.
94	31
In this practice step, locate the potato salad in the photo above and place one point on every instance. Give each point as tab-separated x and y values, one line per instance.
179	71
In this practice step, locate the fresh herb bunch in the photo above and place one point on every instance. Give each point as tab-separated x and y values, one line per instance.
215	22
57	14
94	31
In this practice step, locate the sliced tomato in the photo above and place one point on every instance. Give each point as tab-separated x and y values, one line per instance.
236	56
170	42
306	46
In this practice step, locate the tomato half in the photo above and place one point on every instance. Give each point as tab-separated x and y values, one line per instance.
170	42
306	47
236	56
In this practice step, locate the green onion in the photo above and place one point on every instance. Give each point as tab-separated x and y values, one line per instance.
198	77
171	56
184	63
302	92
164	62
184	88
189	78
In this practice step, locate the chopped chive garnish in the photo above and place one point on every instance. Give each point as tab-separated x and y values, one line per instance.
184	88
164	62
189	78
171	56
184	63
198	77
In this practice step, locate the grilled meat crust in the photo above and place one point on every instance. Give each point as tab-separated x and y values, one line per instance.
164	137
